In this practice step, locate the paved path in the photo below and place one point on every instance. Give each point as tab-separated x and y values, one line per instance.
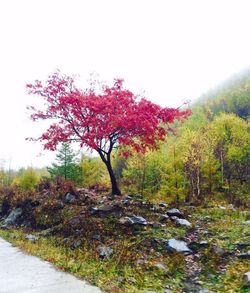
22	273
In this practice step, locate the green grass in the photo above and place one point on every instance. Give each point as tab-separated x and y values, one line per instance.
122	273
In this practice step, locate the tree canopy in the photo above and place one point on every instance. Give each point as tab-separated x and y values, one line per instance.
100	120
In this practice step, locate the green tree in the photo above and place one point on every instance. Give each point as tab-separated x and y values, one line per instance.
66	164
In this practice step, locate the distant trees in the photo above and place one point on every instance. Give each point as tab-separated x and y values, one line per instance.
204	158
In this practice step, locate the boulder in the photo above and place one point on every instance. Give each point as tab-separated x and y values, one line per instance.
76	244
31	237
183	222
175	212
105	251
222	207
105	210
69	198
96	237
219	251
175	245
164	218
160	266
127	200
246	222
163	205
75	222
157	225
245	255
133	220
246	279
13	217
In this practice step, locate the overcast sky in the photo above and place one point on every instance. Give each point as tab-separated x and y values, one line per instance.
172	50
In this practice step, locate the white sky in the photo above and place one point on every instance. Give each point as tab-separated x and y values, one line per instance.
173	50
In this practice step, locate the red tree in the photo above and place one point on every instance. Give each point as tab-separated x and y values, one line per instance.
100	120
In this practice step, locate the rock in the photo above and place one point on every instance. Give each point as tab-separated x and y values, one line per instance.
246	279
148	291
105	251
106	210
160	266
69	198
183	222
163	205
219	251
246	222
222	207
124	221
204	243
168	291
133	220
205	291
75	222
76	244
164	218
13	217
245	255
127	200
121	280
174	245
156	225
141	261
242	245
50	231
96	237
31	237
175	212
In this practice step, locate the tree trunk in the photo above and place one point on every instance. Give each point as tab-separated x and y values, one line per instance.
107	161
115	188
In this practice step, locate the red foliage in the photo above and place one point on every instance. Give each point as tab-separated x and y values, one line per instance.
103	120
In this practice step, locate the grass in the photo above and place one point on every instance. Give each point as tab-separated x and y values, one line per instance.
132	267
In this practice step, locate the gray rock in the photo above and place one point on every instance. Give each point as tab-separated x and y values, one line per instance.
168	291
133	220
175	212
183	222
141	261
164	218
47	232
13	217
121	280
163	205
174	245
127	200
246	222
156	225
218	250
68	198
106	210
96	237
246	279
203	243
76	244
222	207
148	291
105	251
31	237
245	255
160	266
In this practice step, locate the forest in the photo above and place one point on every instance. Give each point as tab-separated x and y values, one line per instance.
192	186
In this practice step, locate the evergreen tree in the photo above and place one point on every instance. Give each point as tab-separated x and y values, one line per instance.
66	164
